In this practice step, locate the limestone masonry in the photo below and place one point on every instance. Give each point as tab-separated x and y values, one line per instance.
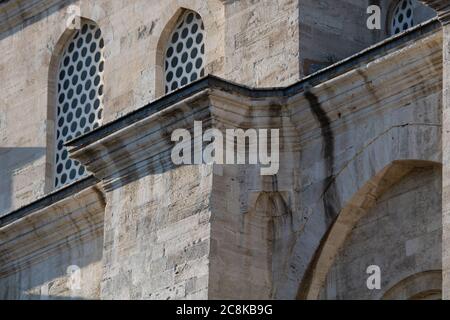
92	205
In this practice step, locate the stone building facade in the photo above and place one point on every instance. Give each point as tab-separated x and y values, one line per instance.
92	205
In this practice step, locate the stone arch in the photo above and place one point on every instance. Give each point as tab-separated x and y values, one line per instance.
52	84
212	14
425	285
51	106
378	164
268	236
363	200
52	91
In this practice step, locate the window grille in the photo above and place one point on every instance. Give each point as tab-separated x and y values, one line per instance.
80	97
185	52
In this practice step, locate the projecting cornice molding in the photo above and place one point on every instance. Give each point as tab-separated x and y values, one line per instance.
145	146
360	59
203	86
51	228
140	143
442	7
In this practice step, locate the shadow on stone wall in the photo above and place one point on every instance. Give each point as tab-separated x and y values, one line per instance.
15	19
12	160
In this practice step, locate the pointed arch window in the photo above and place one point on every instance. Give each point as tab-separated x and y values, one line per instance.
185	52
79	103
403	17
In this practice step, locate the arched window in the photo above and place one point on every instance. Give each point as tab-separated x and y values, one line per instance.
402	18
79	104
405	14
185	52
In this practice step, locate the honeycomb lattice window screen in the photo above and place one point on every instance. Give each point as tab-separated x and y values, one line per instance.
185	52
402	18
79	97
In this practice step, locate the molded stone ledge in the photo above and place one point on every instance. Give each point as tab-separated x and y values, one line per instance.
342	67
140	143
59	225
442	7
145	146
416	67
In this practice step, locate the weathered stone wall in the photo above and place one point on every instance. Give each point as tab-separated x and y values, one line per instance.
328	35
401	234
257	43
252	235
55	252
184	233
51	278
262	42
344	152
446	165
29	54
157	237
333	30
265	232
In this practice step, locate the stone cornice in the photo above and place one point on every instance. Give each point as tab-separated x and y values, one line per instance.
442	8
211	82
48	200
54	227
438	5
145	146
140	144
406	74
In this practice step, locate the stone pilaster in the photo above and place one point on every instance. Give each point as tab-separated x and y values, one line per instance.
446	164
442	8
197	231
